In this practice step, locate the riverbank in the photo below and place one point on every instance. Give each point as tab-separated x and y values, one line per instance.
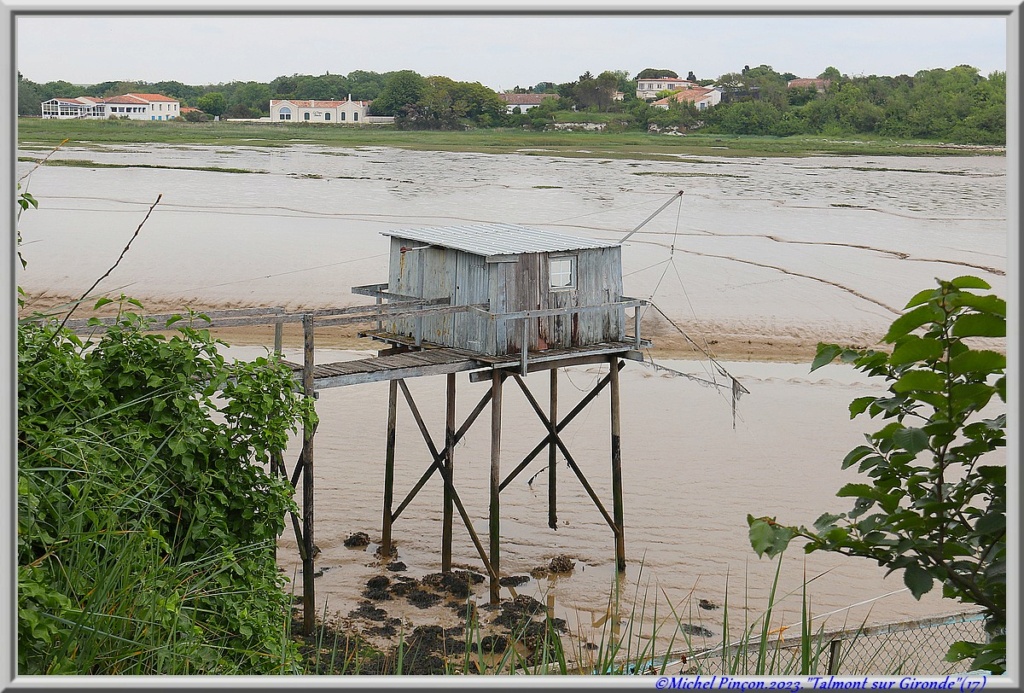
732	342
44	135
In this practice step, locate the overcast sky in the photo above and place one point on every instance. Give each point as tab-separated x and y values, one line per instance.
498	51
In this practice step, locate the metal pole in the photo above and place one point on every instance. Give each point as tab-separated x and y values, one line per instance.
620	541
389	470
553	453
308	586
494	519
449	465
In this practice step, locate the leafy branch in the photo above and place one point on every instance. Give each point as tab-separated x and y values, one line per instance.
940	515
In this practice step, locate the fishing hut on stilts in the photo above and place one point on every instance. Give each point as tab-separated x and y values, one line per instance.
499	301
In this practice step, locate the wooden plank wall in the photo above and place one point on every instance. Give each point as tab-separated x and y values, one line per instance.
523	284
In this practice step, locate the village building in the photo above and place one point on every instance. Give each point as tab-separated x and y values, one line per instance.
821	85
130	106
319	111
649	88
524	102
701	97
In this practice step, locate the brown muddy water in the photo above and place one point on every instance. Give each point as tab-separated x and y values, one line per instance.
808	248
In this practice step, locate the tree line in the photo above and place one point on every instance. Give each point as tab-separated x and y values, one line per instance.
957	104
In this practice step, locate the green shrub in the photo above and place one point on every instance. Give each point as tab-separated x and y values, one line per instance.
146	517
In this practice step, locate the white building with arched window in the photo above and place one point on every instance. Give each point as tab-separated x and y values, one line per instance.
318	111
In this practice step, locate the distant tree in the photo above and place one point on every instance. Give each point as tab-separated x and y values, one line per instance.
690	77
326	87
213	103
284	87
654	73
401	88
176	90
58	89
365	86
596	92
831	73
29	97
250	97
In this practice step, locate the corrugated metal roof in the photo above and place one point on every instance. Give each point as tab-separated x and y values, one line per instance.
498	239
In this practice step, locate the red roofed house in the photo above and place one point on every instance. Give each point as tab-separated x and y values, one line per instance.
131	106
319	111
701	97
524	102
819	84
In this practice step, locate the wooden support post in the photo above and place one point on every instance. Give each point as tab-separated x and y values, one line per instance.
379	302
308	588
526	340
553	452
620	541
278	337
449	466
495	507
389	471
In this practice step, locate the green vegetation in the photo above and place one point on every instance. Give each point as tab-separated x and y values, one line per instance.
940	510
146	521
956	105
39	134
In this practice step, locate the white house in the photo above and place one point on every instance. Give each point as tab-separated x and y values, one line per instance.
131	106
524	102
319	111
701	97
649	88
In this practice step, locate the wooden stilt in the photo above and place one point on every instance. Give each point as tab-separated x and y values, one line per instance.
308	587
449	466
436	463
278	337
620	541
389	470
553	453
495	507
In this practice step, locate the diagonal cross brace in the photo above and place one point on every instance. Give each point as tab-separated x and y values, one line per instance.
433	468
558	429
436	463
568	457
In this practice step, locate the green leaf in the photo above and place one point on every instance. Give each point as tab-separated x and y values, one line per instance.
856	455
858	491
979	325
982	304
918	580
767	537
826	355
858	405
974	361
919	380
912	348
909	322
826	521
913	440
923	297
969	282
102	302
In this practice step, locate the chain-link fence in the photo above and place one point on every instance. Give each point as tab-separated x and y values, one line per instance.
906	648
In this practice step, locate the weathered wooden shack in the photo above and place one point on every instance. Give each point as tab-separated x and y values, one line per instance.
543	290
